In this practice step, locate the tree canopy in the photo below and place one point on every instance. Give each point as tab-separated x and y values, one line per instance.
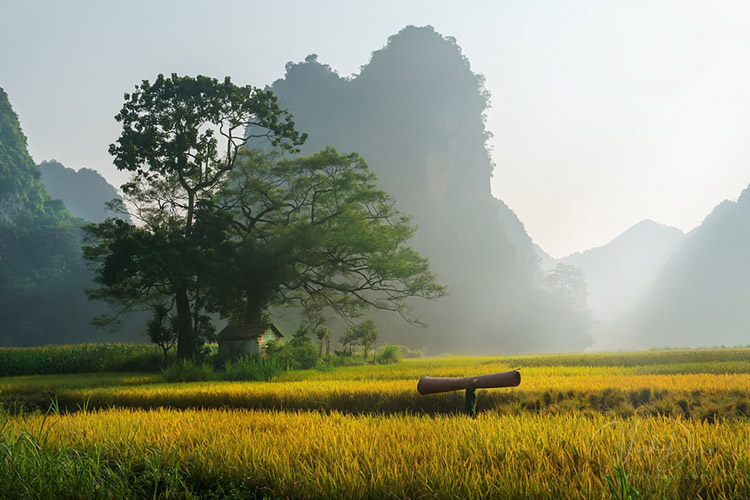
180	138
314	232
235	231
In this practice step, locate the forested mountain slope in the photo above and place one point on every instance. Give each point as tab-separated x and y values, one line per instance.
42	273
701	296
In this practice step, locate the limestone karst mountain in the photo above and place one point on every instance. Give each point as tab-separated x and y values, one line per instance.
42	273
701	295
84	192
415	112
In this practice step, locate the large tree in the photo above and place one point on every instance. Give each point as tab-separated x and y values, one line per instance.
314	232
180	139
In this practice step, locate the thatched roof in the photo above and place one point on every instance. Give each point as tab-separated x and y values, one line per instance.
241	332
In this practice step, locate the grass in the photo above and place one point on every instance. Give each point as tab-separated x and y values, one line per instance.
657	424
312	454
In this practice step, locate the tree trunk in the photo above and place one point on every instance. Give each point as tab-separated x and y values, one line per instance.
254	319
186	341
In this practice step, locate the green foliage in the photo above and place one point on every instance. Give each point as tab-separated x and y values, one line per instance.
388	354
162	328
189	370
324	334
84	358
23	199
302	355
314	232
301	335
252	368
409	352
364	334
169	143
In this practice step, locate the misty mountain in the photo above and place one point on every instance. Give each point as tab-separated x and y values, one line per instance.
623	270
415	112
42	273
701	295
527	251
84	192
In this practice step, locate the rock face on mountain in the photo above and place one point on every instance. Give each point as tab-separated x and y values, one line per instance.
416	114
84	192
701	295
42	273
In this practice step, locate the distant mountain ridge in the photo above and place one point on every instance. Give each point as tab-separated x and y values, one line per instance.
701	296
84	192
621	271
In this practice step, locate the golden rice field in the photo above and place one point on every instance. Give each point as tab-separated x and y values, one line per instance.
653	425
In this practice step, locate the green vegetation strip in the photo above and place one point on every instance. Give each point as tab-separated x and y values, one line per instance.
82	358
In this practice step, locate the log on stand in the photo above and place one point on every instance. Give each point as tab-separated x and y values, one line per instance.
433	385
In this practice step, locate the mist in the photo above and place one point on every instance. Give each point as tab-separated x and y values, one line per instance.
416	113
420	114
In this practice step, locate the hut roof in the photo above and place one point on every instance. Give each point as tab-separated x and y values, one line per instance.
241	332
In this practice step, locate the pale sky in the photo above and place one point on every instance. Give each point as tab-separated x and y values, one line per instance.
603	113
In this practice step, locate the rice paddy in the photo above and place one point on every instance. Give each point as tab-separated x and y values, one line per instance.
663	424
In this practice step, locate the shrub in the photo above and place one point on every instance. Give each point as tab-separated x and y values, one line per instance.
305	356
188	370
251	368
388	354
300	355
408	352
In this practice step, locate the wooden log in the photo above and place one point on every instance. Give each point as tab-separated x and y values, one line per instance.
432	385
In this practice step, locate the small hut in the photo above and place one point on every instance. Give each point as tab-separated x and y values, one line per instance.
236	341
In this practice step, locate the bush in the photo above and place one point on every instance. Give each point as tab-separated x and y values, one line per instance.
300	355
344	358
305	356
251	368
188	370
408	352
388	354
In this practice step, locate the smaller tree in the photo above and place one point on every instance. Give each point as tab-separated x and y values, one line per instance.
364	334
349	339
300	335
323	333
569	282
368	335
162	328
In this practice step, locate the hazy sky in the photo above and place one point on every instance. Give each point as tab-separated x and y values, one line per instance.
604	113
